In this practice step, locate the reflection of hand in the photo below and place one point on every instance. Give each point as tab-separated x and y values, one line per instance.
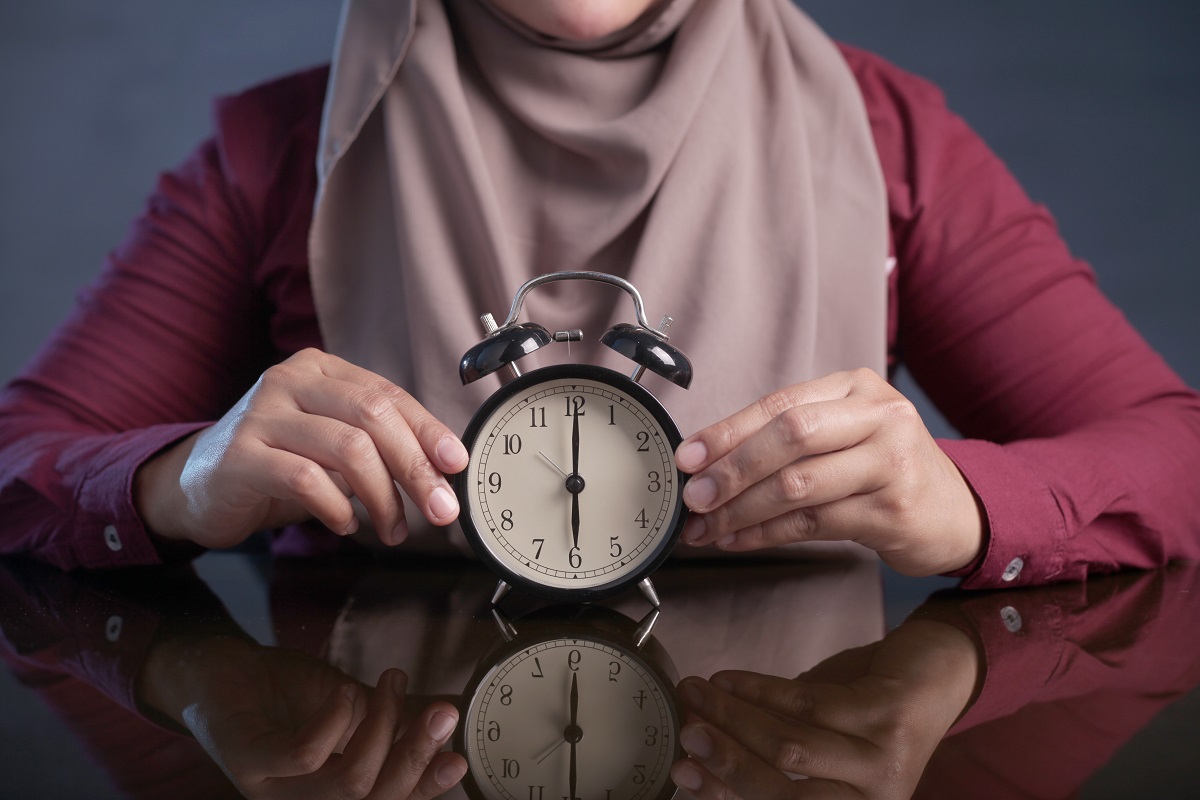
863	723
282	724
842	457
311	431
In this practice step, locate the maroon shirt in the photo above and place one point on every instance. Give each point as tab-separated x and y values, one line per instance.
1081	443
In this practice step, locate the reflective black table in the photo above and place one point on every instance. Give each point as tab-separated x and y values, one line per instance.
1071	690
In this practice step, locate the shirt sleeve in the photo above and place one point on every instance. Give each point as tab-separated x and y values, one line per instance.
1080	442
164	340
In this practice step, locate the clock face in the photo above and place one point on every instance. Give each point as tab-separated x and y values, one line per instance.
519	737
572	486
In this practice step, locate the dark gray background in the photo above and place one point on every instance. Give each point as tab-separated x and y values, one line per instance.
1095	105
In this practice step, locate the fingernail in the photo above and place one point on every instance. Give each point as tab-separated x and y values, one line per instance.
441	725
696	741
352	527
399	684
442	503
700	493
726	540
723	683
450	774
692	697
400	532
687	777
693	529
691	456
451	451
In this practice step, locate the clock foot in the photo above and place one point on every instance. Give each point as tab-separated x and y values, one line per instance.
507	629
502	589
647	590
646	626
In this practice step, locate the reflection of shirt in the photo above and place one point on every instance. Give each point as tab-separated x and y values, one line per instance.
1004	330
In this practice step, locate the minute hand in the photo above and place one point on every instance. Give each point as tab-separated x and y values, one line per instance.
575	472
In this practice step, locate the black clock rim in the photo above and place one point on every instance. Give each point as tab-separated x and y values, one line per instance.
664	673
462	481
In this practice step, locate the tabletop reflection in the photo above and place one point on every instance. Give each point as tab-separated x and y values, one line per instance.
789	690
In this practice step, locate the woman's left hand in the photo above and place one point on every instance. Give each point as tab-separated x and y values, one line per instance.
862	724
844	457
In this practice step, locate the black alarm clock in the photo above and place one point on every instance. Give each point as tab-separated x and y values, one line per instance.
572	491
580	704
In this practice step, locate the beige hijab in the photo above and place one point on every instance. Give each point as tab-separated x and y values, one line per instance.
716	153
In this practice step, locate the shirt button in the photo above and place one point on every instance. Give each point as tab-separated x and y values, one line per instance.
1012	620
112	628
111	538
1013	569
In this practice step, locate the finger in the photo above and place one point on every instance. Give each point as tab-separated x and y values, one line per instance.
720	768
809	482
856	518
803	430
290	477
714	442
731	724
347	450
416	448
368	748
411	766
830	706
437	440
319	738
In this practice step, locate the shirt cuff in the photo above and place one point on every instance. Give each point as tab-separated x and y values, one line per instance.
107	531
1025	529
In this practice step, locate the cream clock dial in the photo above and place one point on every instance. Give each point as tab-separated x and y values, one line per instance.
575	717
572	489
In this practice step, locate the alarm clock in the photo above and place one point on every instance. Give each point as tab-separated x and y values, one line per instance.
578	704
571	491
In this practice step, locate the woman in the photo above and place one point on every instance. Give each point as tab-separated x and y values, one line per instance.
725	157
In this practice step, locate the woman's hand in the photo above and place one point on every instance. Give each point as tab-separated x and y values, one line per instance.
862	724
844	457
311	432
282	724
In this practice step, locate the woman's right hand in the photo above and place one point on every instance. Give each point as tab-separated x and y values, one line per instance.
313	431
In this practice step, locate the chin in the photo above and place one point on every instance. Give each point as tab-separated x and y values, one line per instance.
586	20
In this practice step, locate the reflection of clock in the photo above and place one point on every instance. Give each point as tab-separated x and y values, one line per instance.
571	490
576	710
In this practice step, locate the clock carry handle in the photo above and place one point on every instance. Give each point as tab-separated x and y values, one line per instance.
648	348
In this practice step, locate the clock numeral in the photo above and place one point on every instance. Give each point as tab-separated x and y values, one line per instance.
573	659
639	774
540	793
510	768
640	698
493	733
512	444
494	481
641	520
643	442
655	483
612	414
539	543
506	519
537	662
614	669
506	695
614	547
651	736
575	405
575	559
537	417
